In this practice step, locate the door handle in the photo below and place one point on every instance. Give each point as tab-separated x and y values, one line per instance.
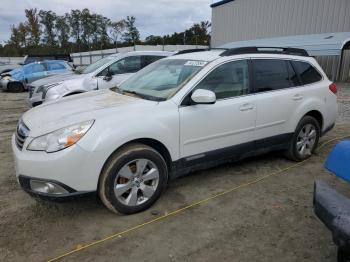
297	97
246	107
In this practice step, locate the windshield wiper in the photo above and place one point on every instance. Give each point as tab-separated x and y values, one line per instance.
116	89
143	96
131	92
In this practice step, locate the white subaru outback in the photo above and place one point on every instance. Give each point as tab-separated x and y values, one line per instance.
181	113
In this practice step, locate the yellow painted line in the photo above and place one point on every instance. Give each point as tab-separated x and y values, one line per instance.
194	204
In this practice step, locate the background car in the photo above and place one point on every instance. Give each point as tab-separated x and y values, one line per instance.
7	67
106	73
17	79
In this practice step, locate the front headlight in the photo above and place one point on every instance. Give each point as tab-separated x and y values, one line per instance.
60	139
47	86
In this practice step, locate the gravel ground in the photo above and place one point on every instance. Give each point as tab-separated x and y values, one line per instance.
267	221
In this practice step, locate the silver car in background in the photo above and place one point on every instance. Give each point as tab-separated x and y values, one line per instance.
106	73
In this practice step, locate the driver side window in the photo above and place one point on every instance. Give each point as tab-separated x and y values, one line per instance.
227	80
117	67
126	65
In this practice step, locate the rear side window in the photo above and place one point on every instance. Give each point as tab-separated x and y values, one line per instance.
307	72
270	74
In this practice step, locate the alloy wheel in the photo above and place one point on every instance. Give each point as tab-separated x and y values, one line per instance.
306	140
136	182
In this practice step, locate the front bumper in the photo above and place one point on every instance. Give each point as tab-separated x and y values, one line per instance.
73	167
24	182
4	83
333	209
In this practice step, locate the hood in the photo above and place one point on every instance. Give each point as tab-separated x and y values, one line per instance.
16	74
79	108
7	68
56	78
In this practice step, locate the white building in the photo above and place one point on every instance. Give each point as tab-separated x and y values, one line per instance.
237	20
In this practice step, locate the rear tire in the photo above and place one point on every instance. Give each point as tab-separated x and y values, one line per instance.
305	139
132	179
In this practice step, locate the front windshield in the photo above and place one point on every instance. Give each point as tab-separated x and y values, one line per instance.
91	68
162	79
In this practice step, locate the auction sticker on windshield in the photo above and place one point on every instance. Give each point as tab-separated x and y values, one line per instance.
195	63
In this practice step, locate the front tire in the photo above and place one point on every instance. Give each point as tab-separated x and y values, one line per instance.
132	179
305	139
15	87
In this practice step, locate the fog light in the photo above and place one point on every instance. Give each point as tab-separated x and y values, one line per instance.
47	187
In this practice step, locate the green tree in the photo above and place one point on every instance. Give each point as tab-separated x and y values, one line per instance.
87	26
98	25
81	30
48	20
13	46
198	33
15	37
103	23
23	34
33	26
115	29
75	26
63	30
153	40
131	34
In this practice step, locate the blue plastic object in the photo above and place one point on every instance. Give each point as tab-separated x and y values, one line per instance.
338	161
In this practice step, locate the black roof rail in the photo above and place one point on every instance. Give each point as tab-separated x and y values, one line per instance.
265	50
186	51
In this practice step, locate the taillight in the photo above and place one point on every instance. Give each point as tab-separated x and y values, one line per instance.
333	88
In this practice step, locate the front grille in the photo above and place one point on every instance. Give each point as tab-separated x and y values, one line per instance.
22	132
31	90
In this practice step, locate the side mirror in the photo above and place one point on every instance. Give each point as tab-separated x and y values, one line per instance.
202	96
108	77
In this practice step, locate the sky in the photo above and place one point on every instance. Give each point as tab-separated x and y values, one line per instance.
157	17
